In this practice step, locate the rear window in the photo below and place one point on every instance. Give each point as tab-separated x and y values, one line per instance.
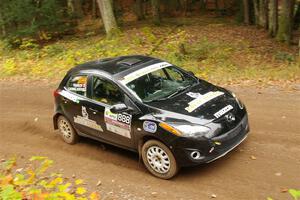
77	84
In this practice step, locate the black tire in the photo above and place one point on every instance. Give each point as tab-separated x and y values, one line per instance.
156	157
66	130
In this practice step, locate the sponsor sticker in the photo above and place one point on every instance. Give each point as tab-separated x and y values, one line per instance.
193	95
139	73
202	99
150	126
85	121
69	96
223	111
118	123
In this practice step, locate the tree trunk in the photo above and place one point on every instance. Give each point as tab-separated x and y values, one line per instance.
185	7
263	13
273	17
140	9
246	12
94	8
3	25
297	17
202	5
256	12
285	25
75	8
108	17
217	7
156	11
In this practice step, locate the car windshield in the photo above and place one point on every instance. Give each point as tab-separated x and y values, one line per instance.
161	84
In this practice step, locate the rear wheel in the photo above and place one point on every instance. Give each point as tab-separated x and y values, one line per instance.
68	133
159	160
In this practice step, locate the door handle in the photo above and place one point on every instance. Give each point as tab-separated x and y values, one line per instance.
93	110
65	100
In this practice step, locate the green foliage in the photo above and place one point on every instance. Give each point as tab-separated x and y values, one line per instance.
202	49
9	67
53	50
284	56
8	193
27	18
209	57
32	182
295	193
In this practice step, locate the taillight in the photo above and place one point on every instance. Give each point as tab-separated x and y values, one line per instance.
56	93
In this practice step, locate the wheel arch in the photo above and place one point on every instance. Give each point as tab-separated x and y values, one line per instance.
55	117
146	138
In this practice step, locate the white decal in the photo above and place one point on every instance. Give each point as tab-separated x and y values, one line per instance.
150	126
223	111
118	123
75	89
193	95
202	99
69	96
84	112
85	121
141	72
118	130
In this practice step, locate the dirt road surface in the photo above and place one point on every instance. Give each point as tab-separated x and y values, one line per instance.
26	129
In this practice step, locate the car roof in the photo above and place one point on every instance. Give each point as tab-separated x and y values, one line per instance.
117	67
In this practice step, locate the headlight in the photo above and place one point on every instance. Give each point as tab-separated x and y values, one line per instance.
185	130
237	100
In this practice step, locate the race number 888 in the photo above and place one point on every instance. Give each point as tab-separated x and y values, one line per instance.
124	118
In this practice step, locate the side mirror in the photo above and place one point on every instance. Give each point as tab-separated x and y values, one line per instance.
191	73
118	108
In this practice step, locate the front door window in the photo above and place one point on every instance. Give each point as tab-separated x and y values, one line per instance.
106	92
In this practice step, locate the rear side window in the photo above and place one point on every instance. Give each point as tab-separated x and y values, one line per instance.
77	84
106	92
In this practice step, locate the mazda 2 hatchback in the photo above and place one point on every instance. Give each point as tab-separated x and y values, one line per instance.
166	114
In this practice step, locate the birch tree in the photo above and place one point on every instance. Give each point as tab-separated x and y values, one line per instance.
108	17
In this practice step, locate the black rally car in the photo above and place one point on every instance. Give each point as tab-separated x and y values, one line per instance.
172	118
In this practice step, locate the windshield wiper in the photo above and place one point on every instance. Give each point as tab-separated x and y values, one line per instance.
155	100
179	90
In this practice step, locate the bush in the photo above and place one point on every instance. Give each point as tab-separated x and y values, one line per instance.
32	182
32	19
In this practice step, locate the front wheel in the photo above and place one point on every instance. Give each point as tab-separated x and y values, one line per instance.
159	160
68	133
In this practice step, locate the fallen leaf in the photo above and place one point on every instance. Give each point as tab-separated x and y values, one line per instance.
283	190
78	181
253	157
80	190
278	174
99	183
19	170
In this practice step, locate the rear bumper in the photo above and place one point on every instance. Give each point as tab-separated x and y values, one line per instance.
210	149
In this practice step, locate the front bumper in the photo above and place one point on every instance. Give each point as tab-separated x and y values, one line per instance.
210	149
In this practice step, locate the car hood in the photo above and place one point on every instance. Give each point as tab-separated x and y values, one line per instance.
211	99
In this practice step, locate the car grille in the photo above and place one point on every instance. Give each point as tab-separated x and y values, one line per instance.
232	132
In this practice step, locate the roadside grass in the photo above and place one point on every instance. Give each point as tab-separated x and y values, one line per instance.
222	53
33	181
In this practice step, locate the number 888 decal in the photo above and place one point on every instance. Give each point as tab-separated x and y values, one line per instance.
124	118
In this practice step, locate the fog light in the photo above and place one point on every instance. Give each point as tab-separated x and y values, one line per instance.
196	155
